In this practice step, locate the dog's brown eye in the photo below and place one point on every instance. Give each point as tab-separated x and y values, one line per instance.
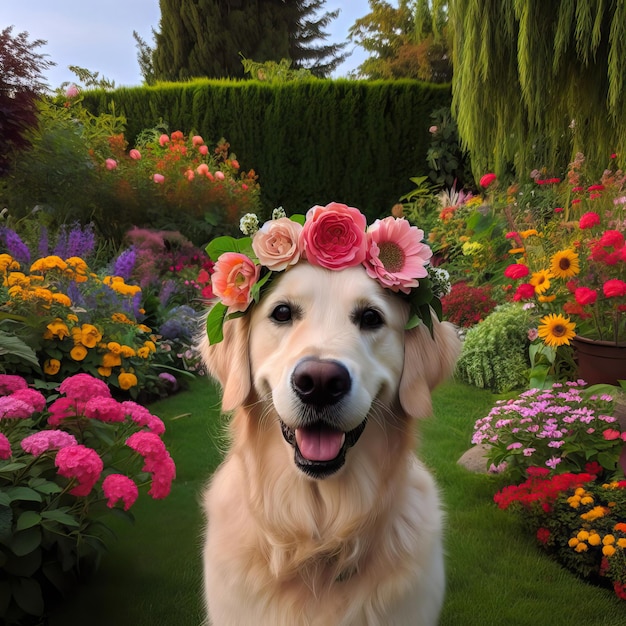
370	319
281	314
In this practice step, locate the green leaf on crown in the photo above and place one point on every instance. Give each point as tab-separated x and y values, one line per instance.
220	245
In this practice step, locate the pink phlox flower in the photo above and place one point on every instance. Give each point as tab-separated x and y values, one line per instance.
14	408
142	416
119	487
163	473
514	446
528	451
62	408
556	444
38	443
104	409
5	447
31	396
9	383
147	444
396	255
84	386
81	463
553	461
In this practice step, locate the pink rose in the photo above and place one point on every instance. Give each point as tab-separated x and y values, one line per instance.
396	256
203	150
134	154
219	175
516	271
585	296
334	236
235	164
158	178
233	277
163	139
196	140
614	288
110	164
202	169
276	244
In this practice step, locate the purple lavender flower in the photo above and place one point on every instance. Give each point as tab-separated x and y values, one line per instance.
78	241
44	243
125	263
15	246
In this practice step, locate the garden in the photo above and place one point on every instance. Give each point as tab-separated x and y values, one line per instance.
107	417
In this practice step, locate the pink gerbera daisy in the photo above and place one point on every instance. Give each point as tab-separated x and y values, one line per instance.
396	256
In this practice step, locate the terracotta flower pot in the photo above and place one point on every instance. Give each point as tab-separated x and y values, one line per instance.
600	361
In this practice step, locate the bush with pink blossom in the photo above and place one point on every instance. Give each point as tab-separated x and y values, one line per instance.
65	461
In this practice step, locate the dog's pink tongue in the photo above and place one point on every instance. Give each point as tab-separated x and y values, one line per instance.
319	443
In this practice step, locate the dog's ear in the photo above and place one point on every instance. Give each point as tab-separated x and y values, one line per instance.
428	360
229	362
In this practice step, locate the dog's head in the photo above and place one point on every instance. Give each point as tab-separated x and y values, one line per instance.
322	352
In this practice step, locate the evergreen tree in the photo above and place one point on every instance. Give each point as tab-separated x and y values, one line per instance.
209	37
536	81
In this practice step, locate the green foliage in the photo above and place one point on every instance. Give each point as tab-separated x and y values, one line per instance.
534	82
494	352
273	72
310	142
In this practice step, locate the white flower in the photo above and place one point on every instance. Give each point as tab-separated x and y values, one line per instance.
249	224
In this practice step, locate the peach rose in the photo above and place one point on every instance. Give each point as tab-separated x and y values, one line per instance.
276	244
334	236
233	277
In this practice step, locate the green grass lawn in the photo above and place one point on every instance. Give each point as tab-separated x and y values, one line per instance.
497	576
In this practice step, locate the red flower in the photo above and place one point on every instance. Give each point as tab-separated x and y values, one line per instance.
614	288
589	220
620	589
612	239
524	292
585	296
487	179
516	270
543	535
595	188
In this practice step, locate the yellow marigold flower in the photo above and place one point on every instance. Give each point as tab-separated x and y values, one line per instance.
573	542
48	263
114	346
17	278
41	293
556	330
546	298
608	540
581	547
608	551
61	298
583	535
121	318
51	367
58	328
517	251
150	345
594	539
109	359
541	281
580	492
574	501
127	380
621	543
77	335
144	328
105	372
72	318
586	500
8	263
78	352
117	284
77	264
143	352
127	351
525	234
90	335
564	264
594	514
35	279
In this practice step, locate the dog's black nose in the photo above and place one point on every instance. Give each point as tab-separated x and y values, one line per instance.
320	382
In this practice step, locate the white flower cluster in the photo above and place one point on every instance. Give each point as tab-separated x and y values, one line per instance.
249	224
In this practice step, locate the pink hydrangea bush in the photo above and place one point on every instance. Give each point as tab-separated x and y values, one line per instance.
64	461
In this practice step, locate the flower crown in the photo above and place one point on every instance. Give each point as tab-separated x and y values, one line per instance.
335	237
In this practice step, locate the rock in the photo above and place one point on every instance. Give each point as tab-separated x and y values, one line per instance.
475	459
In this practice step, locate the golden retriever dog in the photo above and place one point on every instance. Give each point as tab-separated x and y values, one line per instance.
321	513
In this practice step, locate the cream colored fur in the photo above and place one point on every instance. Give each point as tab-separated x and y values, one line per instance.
362	546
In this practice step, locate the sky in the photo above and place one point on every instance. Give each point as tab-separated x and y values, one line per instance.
98	36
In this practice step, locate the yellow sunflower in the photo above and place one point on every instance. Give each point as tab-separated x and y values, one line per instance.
556	330
564	264
541	281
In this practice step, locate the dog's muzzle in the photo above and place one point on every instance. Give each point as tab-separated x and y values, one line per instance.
319	445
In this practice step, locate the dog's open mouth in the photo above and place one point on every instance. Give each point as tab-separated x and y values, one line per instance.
319	449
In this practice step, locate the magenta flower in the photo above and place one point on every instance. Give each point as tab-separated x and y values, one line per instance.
148	445
81	463
14	408
157	461
141	416
588	220
487	179
104	409
119	487
10	383
333	236
110	164
396	256
84	386
31	396
62	408
5	448
38	443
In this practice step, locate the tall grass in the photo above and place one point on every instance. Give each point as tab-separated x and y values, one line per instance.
496	574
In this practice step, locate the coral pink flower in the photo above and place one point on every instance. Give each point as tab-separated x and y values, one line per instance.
203	150
396	256
233	277
189	175
177	135
119	487
585	296
614	288
235	164
163	139
104	409
158	178
333	236
71	91
10	383
516	270
5	447
219	175
81	463
276	244
84	386
202	169
196	140
134	154
13	408
38	443
110	164
588	220
487	179
611	434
